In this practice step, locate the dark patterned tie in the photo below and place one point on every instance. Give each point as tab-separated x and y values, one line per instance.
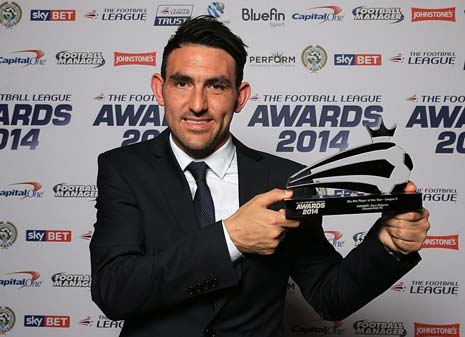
203	202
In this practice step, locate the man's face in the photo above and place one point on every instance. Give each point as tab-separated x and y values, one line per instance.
200	97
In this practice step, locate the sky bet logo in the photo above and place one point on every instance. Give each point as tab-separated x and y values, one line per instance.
53	15
48	321
357	59
48	235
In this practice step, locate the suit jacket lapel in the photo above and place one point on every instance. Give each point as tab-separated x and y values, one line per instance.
173	183
253	175
253	179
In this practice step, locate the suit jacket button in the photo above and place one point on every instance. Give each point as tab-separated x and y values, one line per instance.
214	282
209	332
190	291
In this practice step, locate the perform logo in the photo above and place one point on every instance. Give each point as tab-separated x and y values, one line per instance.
428	330
125	59
30	280
46	321
275	59
433	14
30	191
446	242
173	15
357	59
53	15
48	235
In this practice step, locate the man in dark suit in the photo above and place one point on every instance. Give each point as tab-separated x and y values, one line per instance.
165	270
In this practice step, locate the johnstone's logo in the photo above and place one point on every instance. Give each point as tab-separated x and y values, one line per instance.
65	280
10	15
320	14
314	58
433	14
274	60
446	242
439	194
125	59
357	59
428	330
7	320
53	15
173	15
334	238
23	190
118	14
86	58
46	321
101	323
8	234
29	57
386	14
21	279
380	328
64	190
429	287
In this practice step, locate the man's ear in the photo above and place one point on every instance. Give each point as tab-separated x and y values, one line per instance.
157	88
243	94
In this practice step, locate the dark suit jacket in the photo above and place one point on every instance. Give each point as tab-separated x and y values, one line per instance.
153	267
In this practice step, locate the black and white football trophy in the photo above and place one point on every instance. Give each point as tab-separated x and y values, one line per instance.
366	179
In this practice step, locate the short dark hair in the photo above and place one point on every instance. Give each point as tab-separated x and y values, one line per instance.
206	30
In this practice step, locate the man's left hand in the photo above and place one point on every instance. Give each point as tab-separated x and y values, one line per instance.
405	232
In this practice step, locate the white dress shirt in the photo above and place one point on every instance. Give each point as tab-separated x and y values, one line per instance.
222	180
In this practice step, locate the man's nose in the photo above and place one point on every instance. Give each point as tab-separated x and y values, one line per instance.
198	101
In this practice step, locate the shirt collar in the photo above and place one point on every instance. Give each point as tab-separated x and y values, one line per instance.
219	161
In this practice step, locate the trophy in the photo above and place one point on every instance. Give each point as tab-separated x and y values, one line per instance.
371	178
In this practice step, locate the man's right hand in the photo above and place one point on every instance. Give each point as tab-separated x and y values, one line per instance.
254	228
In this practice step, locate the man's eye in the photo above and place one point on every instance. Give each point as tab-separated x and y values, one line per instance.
181	84
218	86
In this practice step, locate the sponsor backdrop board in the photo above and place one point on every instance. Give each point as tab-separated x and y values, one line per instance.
75	82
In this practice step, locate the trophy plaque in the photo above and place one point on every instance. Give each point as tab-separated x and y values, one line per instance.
366	179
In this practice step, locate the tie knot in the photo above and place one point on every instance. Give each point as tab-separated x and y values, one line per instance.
198	170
